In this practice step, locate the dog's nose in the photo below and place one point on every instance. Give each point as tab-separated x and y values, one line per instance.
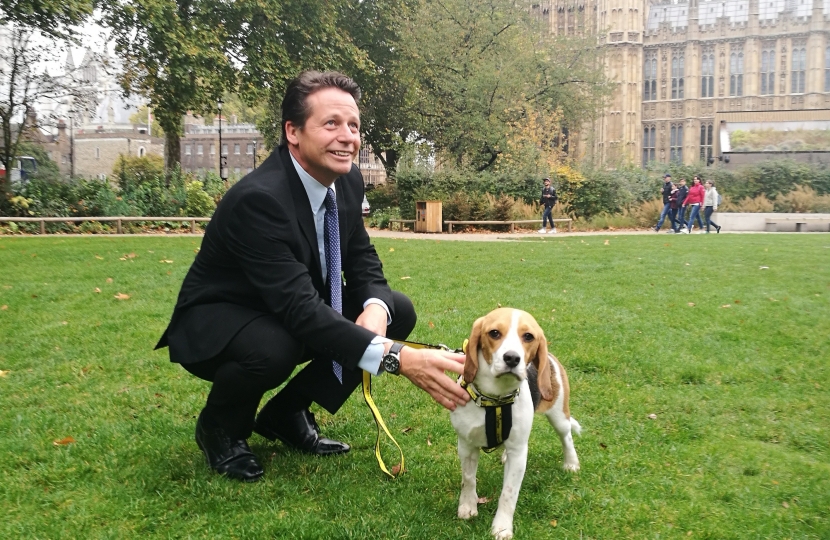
511	359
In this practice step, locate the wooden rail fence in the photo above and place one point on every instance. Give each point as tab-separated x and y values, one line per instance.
119	220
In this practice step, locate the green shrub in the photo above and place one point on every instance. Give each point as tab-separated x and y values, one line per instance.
199	203
380	218
383	196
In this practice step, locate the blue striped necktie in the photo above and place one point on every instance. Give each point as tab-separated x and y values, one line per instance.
332	247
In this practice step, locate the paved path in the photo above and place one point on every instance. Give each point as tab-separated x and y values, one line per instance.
497	237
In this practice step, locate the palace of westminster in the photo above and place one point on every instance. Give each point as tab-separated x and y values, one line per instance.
686	70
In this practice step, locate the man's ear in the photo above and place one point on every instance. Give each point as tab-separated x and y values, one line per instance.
291	130
542	363
471	363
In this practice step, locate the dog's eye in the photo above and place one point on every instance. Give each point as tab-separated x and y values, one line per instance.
528	337
494	334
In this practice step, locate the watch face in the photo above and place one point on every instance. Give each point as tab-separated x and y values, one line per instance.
391	364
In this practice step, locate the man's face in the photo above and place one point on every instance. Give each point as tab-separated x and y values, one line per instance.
682	181
547	183
330	139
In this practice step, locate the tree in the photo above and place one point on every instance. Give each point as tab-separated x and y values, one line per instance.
274	40
54	18
174	54
140	117
24	86
483	69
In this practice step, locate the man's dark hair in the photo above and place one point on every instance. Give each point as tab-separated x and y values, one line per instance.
295	103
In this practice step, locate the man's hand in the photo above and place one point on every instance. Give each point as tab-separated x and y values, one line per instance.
374	319
426	367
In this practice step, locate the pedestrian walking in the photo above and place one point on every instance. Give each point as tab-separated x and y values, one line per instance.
547	201
693	200
710	205
682	192
667	186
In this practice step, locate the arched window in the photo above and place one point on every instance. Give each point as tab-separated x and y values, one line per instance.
707	68
676	143
799	70
677	70
705	142
768	70
827	69
736	74
650	77
649	144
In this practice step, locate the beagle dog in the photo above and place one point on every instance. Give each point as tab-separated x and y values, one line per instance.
508	374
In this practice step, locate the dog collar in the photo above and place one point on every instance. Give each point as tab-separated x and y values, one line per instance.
498	414
483	400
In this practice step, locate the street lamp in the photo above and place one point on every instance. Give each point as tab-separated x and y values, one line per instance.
254	153
71	113
223	173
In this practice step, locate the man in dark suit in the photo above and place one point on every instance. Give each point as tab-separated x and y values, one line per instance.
287	274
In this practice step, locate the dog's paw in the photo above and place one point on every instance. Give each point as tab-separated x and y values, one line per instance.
467	511
571	467
502	534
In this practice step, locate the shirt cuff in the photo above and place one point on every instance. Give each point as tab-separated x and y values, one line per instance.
373	355
382	304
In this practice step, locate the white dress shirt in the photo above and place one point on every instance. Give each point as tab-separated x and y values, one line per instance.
317	197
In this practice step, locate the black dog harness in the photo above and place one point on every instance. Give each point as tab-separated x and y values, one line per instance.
498	414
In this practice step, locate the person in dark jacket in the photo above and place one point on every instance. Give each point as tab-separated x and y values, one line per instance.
286	275
673	203
682	192
547	201
667	185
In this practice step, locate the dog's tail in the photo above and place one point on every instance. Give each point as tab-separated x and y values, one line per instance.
575	427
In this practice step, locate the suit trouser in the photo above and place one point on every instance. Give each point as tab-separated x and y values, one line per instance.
263	355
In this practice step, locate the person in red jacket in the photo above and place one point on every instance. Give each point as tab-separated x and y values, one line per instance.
693	200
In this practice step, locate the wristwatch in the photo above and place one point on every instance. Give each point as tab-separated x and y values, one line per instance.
392	360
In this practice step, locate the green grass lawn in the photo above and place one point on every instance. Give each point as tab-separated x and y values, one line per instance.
723	337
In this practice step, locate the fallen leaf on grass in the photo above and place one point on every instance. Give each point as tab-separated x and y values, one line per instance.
122	296
109	280
406	430
396	469
406	277
4	307
553	523
521	260
736	301
652	416
168	261
431	324
391	249
763	268
64	322
726	305
607	243
4	373
687	264
64	441
429	442
97	290
483	500
785	504
691	304
99	257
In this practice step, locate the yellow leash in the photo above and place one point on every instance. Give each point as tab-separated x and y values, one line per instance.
367	395
380	424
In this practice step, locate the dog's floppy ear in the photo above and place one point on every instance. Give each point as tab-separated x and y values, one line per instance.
471	364
542	363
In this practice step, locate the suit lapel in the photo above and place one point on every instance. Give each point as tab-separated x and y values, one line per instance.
302	206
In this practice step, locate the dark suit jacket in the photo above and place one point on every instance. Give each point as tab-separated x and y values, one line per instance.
259	256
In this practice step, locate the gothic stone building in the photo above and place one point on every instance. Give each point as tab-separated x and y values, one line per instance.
685	69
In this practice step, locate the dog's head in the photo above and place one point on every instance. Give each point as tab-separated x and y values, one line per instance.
501	345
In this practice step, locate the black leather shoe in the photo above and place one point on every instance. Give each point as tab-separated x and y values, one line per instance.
301	432
227	456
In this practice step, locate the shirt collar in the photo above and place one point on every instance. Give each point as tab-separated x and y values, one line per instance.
315	190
